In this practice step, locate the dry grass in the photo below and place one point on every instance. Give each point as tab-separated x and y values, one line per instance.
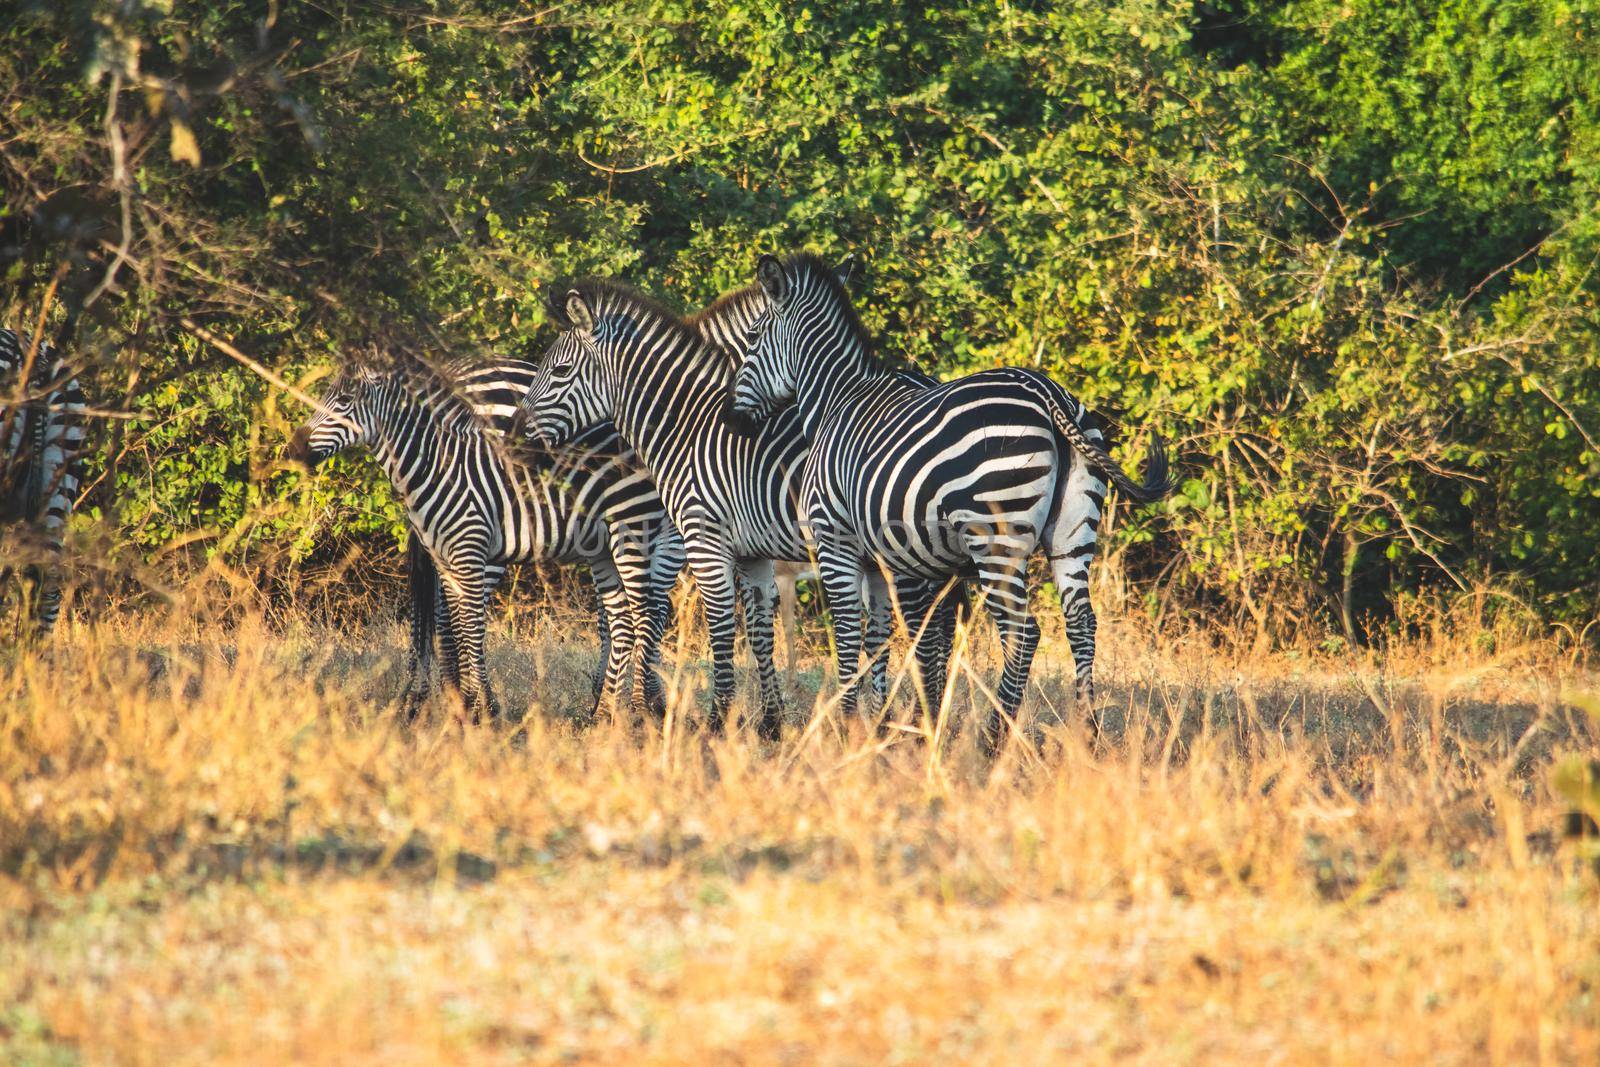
229	851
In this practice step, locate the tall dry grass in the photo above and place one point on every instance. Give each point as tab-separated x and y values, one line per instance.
219	846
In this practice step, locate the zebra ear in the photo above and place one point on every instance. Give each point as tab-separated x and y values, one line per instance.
554	306
369	361
578	313
848	270
769	272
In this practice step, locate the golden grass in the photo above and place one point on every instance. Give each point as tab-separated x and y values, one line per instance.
228	851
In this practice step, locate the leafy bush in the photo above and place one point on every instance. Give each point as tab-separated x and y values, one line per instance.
1341	254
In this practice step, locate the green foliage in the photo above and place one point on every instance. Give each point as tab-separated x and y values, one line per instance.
1341	254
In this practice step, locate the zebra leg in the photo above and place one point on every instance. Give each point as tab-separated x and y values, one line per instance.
930	613
1071	537
423	580
943	636
841	582
58	461
666	561
449	654
467	598
598	686
617	637
880	625
712	566
45	578
1081	625
758	589
1005	592
634	555
42	592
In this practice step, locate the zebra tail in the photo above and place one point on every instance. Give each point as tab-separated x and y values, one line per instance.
423	578
1157	475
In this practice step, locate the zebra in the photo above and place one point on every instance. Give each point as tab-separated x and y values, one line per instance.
475	507
41	467
730	490
930	612
493	388
974	473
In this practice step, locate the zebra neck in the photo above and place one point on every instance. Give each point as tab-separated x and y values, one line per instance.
417	452
824	384
724	325
659	391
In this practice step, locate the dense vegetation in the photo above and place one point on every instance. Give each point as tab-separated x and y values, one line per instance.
1342	252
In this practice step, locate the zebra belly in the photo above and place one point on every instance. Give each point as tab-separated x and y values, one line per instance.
560	529
928	510
765	528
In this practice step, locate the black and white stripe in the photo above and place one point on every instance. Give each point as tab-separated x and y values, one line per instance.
477	505
730	490
492	389
930	610
41	467
967	476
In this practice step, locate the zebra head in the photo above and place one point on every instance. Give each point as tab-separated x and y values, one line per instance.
768	375
344	417
793	343
564	399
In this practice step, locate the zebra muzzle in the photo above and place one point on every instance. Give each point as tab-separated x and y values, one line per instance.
522	427
739	415
299	450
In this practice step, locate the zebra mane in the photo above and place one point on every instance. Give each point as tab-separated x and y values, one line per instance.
722	305
614	295
434	386
810	263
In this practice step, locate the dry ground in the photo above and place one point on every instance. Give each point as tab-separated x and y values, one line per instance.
227	850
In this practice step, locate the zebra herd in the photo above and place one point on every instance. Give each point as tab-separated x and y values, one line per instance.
762	428
641	442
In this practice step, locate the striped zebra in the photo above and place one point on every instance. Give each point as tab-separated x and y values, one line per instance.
930	611
664	382
41	467
932	481
493	388
476	506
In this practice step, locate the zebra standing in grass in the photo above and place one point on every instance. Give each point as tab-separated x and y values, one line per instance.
476	509
974	473
930	611
41	431
625	359
493	389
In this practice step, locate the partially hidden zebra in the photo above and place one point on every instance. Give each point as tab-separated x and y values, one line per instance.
973	474
476	505
730	490
41	467
493	388
930	613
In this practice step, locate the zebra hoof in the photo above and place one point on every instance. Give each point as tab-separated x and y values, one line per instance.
991	737
652	705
